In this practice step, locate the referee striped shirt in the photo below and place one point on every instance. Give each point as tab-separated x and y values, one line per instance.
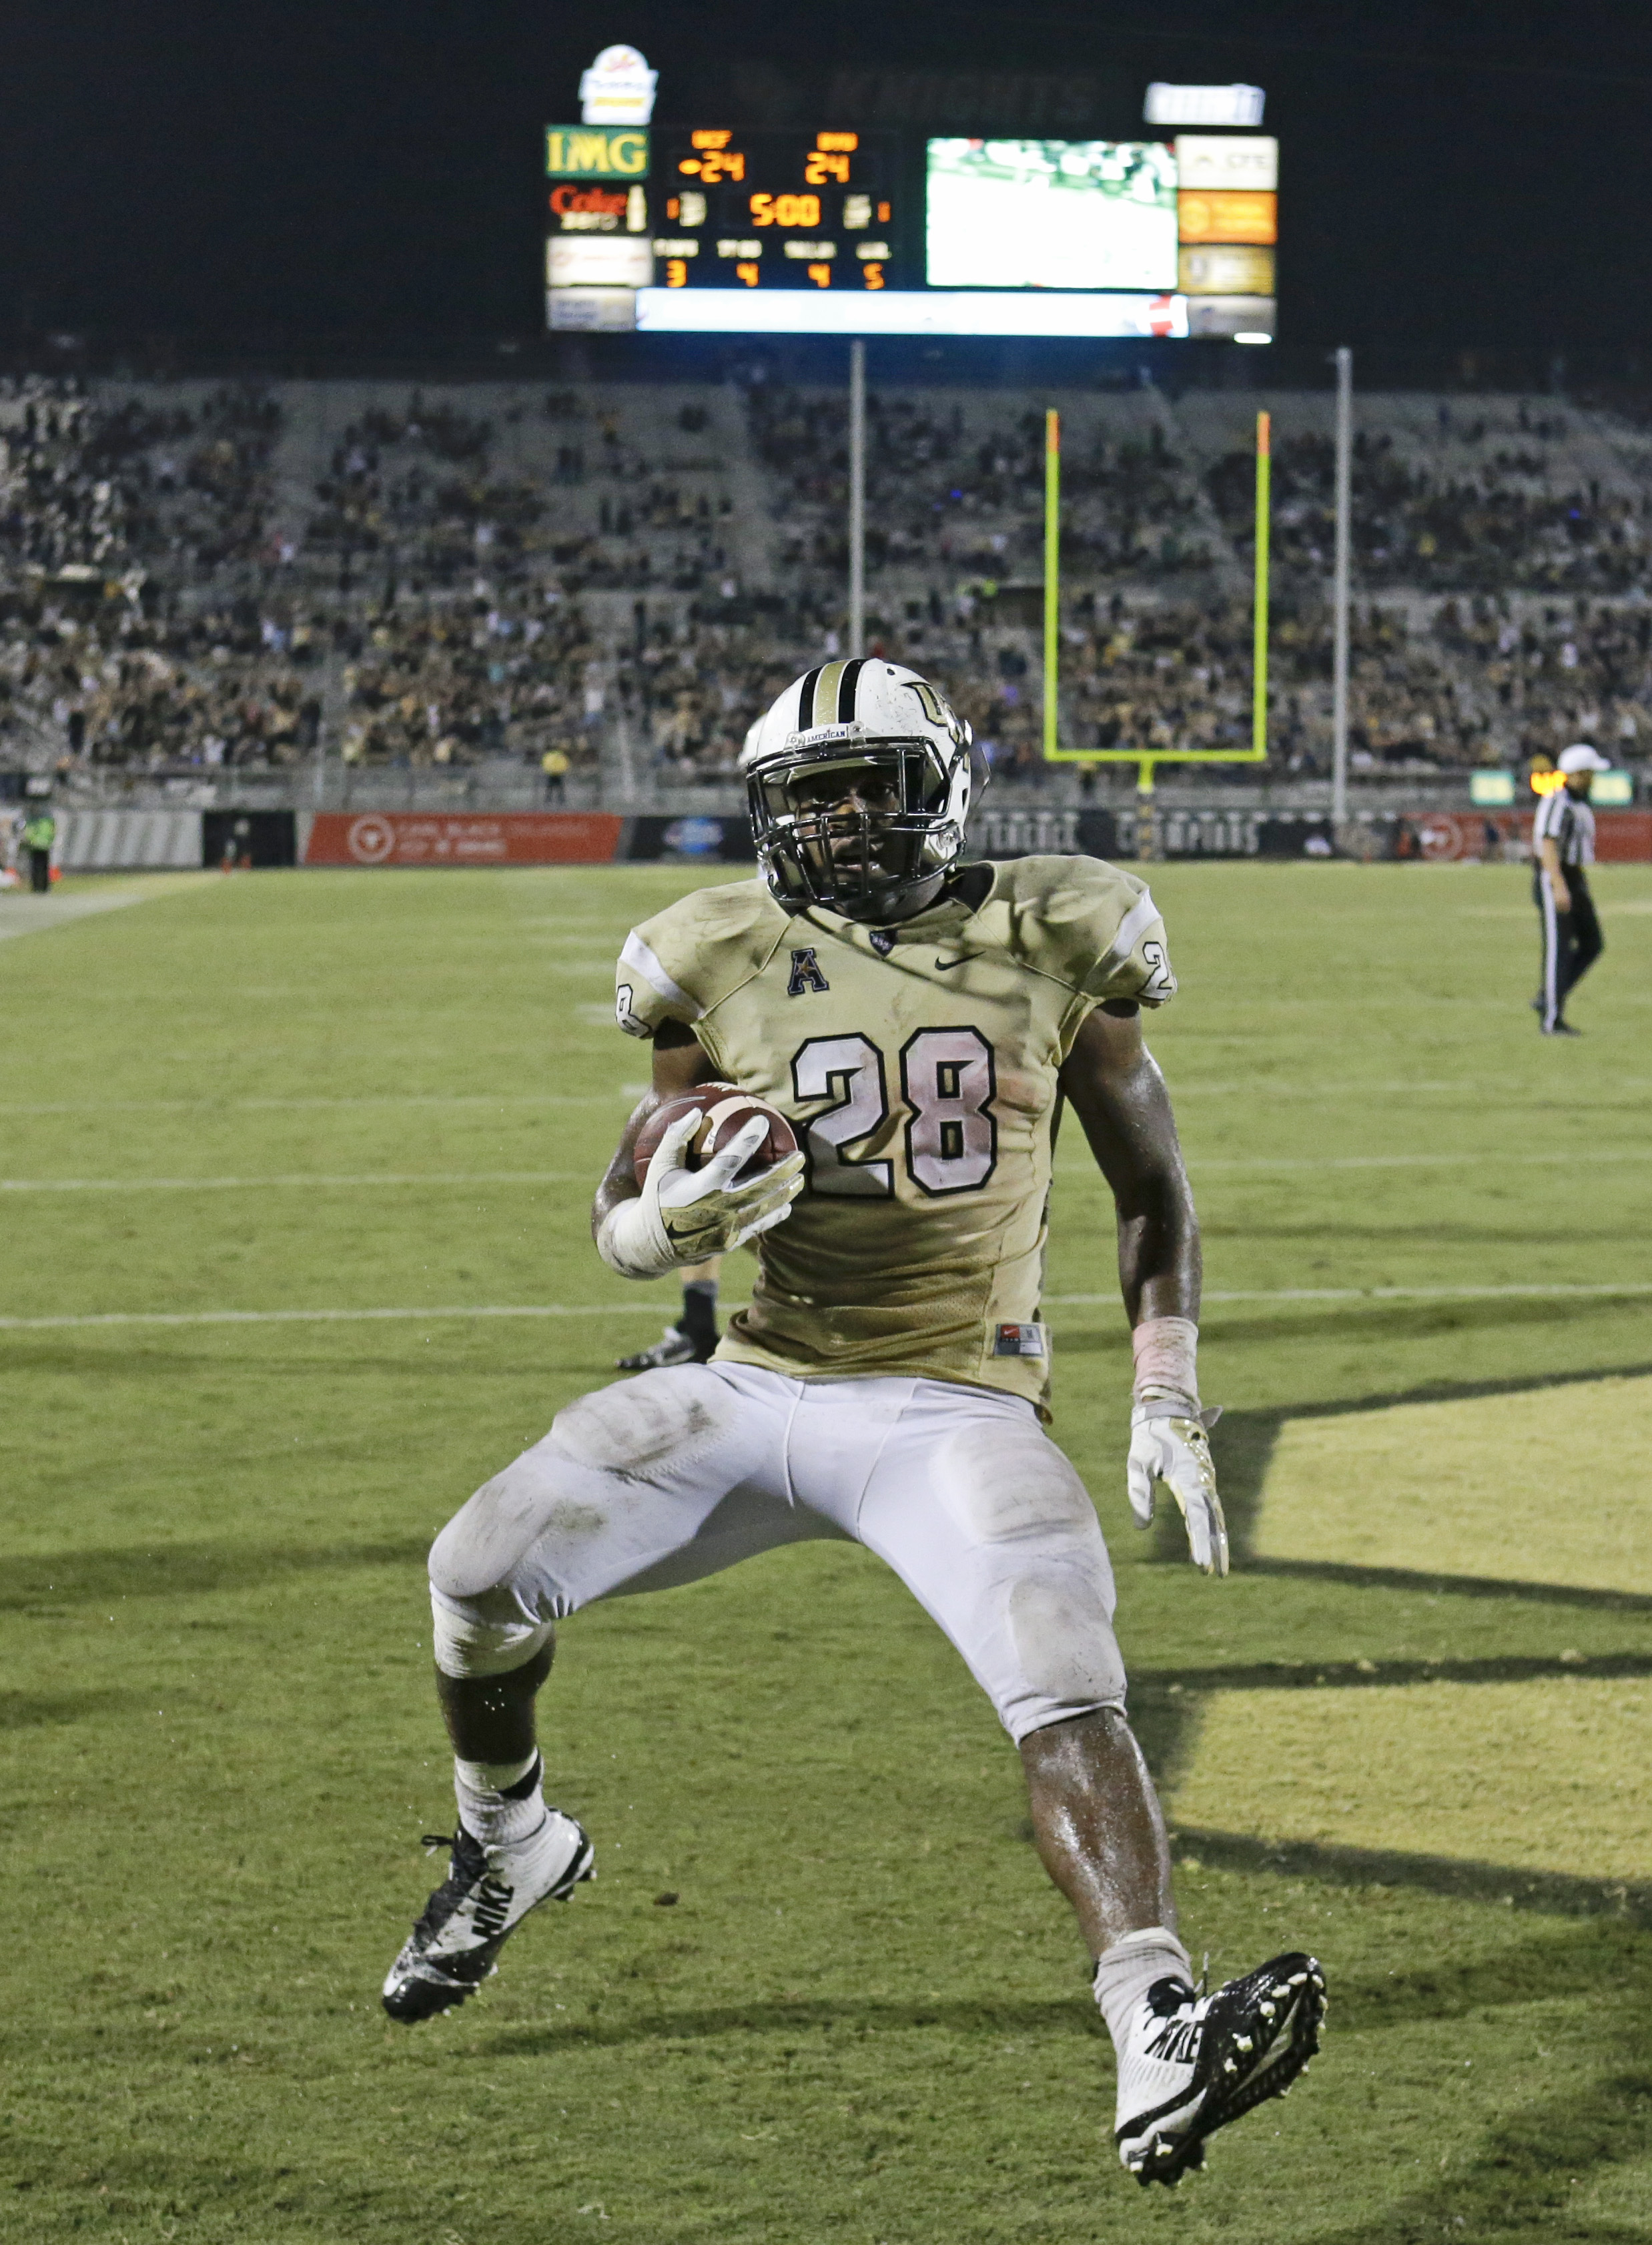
1565	820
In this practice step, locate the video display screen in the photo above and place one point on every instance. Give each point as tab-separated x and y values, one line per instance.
1050	215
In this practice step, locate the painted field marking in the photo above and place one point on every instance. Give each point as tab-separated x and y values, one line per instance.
364	1099
653	1305
1202	1166
1261	1165
1559	1289
32	915
264	1184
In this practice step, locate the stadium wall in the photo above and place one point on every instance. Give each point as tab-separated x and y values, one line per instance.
112	841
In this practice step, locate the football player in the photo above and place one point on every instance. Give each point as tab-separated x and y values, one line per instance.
922	1021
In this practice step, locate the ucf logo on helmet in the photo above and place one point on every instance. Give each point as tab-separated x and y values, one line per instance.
937	709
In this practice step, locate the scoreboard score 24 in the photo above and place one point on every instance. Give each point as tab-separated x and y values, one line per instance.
775	210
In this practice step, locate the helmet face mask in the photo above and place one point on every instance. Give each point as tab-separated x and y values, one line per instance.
856	832
859	817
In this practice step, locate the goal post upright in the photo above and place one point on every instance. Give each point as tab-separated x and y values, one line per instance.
1259	621
1053	582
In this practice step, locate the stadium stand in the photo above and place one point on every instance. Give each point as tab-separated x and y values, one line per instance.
356	580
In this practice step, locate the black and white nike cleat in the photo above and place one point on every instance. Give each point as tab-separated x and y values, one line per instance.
1192	2062
674	1346
487	1894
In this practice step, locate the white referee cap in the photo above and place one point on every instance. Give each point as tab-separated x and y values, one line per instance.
1580	757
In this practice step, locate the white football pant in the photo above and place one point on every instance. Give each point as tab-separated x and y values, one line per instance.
659	1479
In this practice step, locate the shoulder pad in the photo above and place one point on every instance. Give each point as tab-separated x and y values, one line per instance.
1089	925
686	959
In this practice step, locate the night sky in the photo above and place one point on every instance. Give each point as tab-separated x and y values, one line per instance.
1453	176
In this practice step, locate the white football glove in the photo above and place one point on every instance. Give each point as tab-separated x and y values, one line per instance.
1166	1445
685	1215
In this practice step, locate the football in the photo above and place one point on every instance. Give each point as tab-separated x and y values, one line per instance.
726	1110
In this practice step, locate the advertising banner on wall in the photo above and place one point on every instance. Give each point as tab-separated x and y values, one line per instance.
1453	837
693	840
576	837
506	838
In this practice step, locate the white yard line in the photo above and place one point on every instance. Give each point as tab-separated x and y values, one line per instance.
450	1177
442	1178
1559	1290
653	1305
365	1099
1203	1165
25	914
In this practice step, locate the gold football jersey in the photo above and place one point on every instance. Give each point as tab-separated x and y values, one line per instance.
918	1066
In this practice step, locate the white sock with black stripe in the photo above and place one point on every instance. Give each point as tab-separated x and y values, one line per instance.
499	1802
1124	1973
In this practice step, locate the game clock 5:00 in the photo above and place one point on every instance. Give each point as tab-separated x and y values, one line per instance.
773	210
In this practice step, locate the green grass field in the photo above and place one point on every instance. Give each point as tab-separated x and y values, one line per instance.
1412	1731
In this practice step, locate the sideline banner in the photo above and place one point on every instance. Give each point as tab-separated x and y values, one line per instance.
694	840
1622	838
463	838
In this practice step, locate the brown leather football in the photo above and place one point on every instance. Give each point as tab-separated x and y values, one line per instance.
727	1109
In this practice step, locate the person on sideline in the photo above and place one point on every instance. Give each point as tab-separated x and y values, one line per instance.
39	832
1562	845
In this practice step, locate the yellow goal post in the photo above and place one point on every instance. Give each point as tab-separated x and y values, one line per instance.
1145	759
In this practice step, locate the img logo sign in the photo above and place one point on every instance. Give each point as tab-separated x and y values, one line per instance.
595	152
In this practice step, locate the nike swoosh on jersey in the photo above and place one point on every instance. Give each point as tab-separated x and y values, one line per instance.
942	964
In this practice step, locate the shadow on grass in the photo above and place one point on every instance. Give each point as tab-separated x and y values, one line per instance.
848	2016
1555	1894
1519	2181
1460	1586
1604	1960
28	1711
1350	1675
50	1580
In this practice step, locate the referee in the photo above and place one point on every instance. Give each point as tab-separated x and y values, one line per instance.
1562	844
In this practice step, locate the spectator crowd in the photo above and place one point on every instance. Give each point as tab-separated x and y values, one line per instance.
196	577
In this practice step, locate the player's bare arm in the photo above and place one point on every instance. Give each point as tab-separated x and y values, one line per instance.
1114	1085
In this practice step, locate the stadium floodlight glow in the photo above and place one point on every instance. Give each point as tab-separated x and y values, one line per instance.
852	311
1239	105
1249	336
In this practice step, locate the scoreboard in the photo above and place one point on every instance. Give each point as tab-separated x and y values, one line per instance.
706	228
776	210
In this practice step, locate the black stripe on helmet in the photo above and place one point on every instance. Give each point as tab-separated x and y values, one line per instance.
846	685
806	701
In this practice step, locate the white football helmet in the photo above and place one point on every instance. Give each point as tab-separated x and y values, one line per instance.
859	779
